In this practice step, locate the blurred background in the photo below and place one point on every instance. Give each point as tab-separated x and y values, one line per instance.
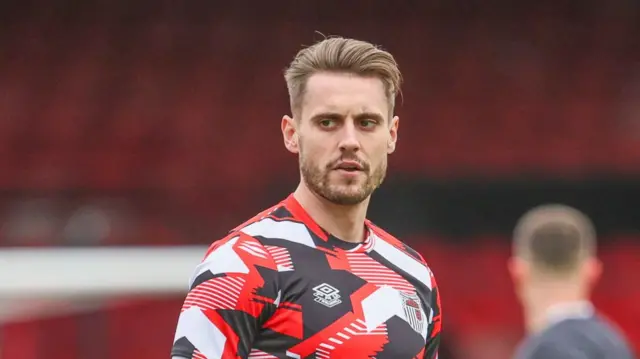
156	123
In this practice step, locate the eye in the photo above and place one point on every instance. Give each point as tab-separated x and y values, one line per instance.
366	123
326	123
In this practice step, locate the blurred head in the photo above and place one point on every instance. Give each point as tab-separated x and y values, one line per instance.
342	94
554	244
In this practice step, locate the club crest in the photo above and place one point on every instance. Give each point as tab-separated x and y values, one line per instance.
413	311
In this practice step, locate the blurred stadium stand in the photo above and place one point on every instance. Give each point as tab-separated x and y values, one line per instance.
156	123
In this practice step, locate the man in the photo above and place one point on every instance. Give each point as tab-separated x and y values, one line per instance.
311	277
554	268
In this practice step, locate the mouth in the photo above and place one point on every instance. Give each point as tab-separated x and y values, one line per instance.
349	166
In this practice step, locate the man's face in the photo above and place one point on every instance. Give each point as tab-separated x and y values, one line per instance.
343	136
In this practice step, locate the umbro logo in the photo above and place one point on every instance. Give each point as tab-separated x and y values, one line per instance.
326	295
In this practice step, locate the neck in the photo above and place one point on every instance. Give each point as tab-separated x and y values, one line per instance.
344	222
544	297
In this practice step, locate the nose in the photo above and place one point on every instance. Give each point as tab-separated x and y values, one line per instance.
349	141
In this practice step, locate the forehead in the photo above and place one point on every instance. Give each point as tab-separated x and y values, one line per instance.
342	93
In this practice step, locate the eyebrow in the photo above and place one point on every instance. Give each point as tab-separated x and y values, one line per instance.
337	116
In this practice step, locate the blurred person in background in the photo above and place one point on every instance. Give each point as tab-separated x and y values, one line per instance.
554	268
311	276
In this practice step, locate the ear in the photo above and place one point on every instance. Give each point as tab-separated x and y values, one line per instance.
290	134
518	269
393	134
592	271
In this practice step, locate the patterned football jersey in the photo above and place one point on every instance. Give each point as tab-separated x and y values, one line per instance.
279	286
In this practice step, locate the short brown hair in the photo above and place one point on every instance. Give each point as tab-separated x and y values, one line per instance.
338	54
555	238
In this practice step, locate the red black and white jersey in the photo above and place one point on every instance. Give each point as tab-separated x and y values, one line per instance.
279	286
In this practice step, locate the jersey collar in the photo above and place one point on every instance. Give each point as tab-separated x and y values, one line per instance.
298	212
569	310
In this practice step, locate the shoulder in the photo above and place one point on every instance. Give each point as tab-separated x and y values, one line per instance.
544	345
403	255
597	333
555	349
573	339
387	237
257	226
612	331
236	255
245	238
274	222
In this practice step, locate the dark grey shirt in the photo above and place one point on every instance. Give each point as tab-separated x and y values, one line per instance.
590	337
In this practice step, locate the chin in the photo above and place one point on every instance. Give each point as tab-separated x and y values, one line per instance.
346	195
346	200
347	190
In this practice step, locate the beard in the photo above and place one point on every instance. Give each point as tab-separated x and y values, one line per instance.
347	192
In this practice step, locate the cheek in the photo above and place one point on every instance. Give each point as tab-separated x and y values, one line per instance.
317	152
312	155
379	154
